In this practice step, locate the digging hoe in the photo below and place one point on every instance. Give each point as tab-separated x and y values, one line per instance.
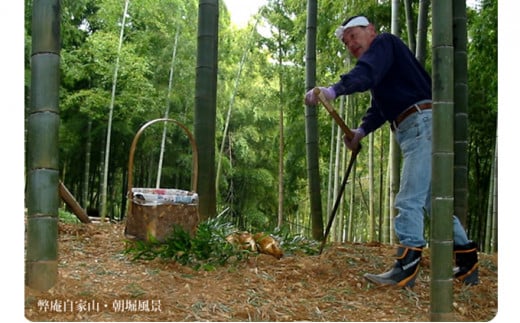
348	133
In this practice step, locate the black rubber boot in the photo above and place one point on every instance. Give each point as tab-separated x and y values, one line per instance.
404	271
466	263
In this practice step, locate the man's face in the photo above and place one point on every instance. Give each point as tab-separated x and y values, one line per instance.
358	39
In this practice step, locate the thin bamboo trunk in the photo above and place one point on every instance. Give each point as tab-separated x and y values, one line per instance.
371	202
332	174
410	25
387	220
339	163
382	223
311	125
167	111
280	147
231	104
344	152
351	105
86	173
110	114
337	177
491	214
494	226
394	159
280	129
352	220
280	170
422	31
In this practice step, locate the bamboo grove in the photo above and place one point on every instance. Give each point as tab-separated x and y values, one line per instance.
259	135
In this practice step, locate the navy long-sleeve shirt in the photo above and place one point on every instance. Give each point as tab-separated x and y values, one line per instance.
394	77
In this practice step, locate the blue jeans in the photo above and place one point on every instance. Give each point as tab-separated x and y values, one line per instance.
414	136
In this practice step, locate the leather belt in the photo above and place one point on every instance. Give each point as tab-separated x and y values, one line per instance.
406	113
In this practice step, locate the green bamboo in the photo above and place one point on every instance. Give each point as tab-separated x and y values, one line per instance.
311	124
422	31
490	242
42	197
460	135
344	151
386	229
86	173
350	112
206	104
371	195
281	137
394	152
337	162
410	25
333	165
441	291
167	110
243	60
104	187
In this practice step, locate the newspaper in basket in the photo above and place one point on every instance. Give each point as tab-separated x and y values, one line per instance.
155	211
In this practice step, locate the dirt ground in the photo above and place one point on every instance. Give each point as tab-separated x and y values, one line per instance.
97	282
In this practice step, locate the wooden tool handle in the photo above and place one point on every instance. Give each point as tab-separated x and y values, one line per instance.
348	133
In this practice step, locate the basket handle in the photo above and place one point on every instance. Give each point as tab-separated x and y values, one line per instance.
195	161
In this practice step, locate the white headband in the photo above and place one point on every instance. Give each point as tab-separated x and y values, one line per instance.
356	22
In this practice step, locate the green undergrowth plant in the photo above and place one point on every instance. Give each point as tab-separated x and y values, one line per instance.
295	244
208	247
67	217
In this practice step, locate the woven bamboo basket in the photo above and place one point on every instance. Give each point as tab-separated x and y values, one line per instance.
152	213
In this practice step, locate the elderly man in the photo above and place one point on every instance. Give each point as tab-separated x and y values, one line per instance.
401	96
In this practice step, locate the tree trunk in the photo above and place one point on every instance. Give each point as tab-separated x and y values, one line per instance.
410	25
42	196
351	221
343	153
422	31
280	139
206	104
167	111
386	226
71	202
86	174
231	103
311	125
394	151
381	218
441	291
332	168
350	113
460	135
339	162
491	238
104	188
371	202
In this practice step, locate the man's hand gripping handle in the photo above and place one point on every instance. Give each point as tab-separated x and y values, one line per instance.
348	133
